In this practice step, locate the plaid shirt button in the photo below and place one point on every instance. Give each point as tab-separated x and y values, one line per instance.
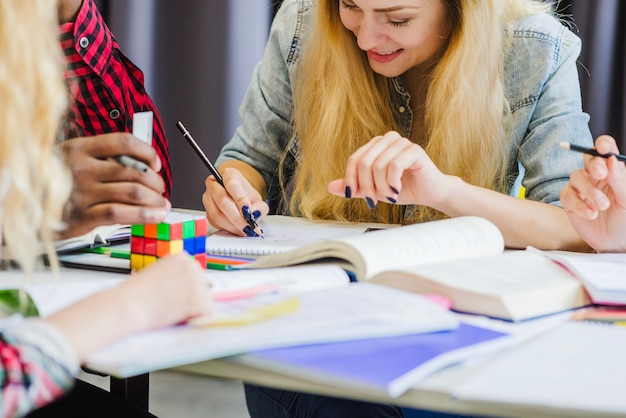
84	42
114	114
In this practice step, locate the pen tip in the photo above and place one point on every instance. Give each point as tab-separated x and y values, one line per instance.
564	145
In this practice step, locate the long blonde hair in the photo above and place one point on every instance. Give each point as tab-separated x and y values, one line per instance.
340	104
32	100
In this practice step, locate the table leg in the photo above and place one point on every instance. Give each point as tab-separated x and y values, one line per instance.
133	389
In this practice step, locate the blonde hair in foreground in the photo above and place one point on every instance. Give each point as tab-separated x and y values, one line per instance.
341	104
32	100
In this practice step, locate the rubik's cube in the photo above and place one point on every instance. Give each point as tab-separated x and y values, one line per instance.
177	233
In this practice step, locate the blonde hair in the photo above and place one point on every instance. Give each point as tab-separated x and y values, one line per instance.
32	100
341	104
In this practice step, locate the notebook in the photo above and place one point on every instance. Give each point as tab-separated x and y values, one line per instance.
284	233
388	366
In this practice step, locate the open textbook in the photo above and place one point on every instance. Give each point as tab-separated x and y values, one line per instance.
603	275
99	236
461	258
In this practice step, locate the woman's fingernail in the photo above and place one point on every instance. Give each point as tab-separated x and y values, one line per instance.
393	189
392	200
250	232
370	203
246	213
256	214
602	202
348	192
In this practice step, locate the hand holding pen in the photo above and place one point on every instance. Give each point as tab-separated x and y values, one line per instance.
237	196
595	197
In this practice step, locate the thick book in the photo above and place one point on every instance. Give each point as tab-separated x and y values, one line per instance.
462	258
388	366
99	236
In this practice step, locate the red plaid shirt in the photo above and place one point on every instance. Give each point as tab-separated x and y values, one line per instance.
106	87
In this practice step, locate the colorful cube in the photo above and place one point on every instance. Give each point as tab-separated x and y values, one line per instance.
177	233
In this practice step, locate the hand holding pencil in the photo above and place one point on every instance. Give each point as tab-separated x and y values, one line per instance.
595	197
231	202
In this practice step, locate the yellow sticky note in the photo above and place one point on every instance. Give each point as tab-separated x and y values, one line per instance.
250	316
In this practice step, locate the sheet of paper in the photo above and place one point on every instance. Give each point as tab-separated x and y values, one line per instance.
142	126
52	292
348	312
577	365
290	280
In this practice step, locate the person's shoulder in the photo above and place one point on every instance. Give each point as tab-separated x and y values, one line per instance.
292	21
542	38
542	27
294	10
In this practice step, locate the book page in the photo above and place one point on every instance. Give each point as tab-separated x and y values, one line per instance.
282	233
426	243
602	274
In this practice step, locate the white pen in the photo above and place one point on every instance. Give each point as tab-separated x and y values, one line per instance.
127	161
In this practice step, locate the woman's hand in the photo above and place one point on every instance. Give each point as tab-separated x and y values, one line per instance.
595	199
391	168
228	207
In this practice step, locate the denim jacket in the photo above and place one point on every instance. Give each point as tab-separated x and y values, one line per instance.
541	86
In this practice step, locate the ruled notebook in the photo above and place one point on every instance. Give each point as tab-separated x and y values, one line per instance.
283	233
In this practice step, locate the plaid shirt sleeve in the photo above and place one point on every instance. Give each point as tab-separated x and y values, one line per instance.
106	87
37	365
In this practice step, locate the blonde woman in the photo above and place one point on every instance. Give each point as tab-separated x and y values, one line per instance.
39	358
406	111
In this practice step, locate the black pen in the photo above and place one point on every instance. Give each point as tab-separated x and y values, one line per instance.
214	172
591	151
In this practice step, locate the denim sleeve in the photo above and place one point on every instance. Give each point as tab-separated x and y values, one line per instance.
557	116
267	107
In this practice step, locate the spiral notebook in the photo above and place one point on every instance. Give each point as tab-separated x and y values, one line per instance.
283	233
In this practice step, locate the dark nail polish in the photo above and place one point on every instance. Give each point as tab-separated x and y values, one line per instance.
256	214
250	232
393	189
348	192
246	213
392	200
370	203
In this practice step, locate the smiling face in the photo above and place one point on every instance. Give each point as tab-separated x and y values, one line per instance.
397	35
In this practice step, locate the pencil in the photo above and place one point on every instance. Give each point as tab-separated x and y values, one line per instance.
213	171
591	151
127	161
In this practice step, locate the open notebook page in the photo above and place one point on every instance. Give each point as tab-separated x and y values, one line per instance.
283	233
